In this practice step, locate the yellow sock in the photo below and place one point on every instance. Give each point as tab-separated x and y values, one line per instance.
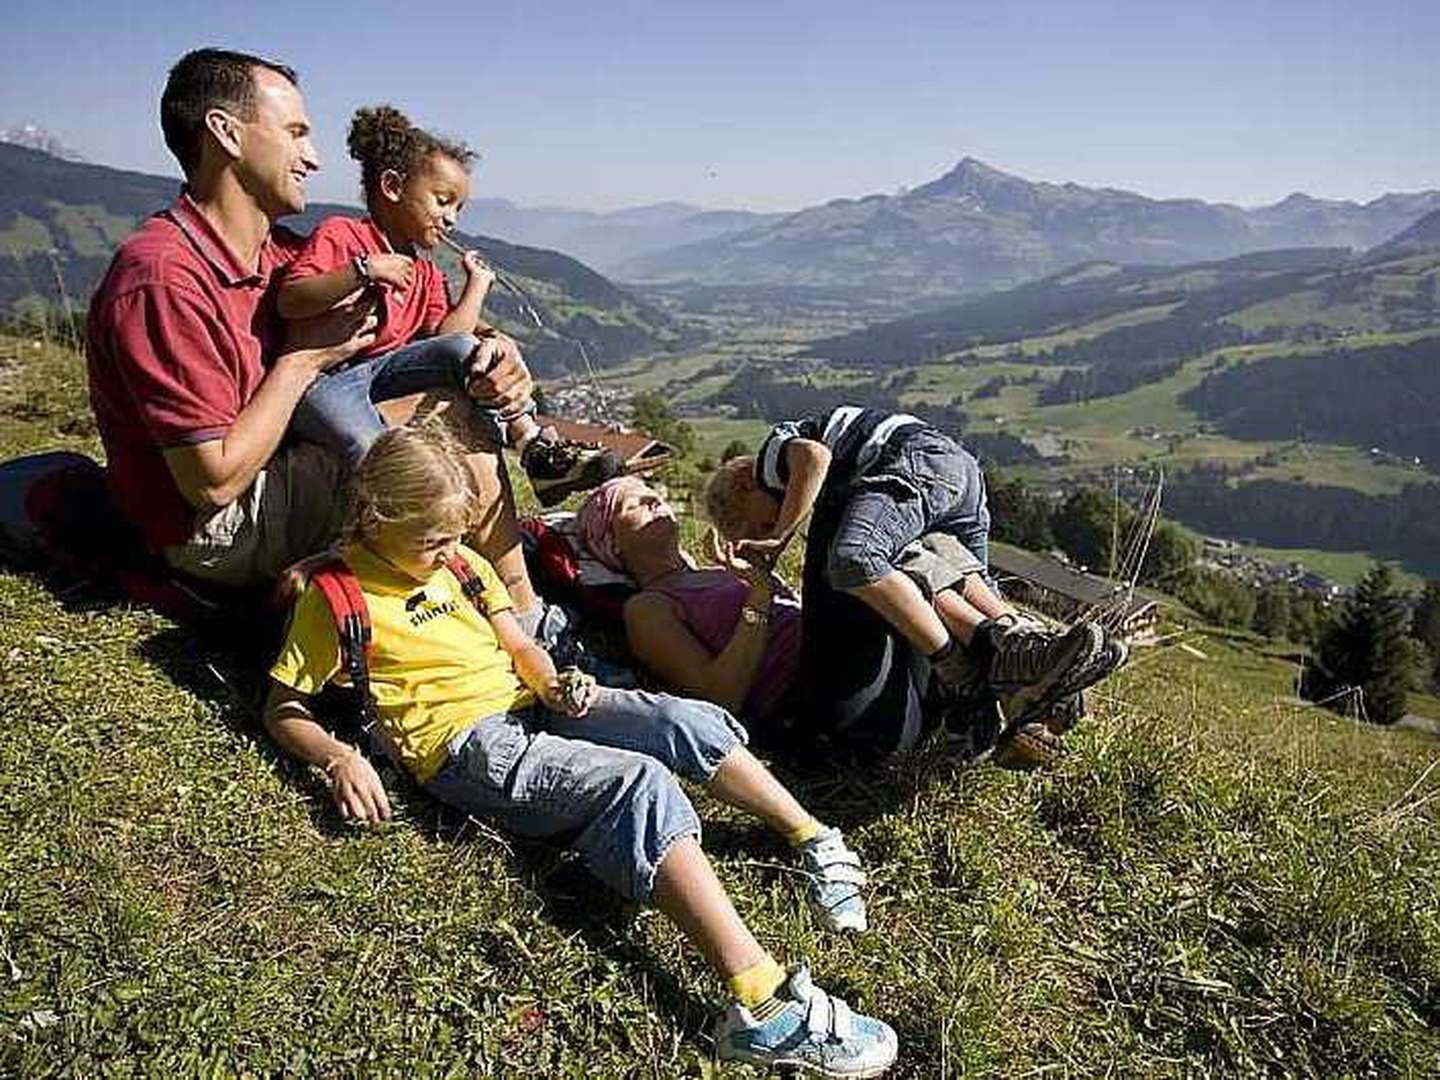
757	983
803	834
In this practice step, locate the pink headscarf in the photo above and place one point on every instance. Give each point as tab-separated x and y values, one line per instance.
596	519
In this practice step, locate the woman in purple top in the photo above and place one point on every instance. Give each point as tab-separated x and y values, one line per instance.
729	635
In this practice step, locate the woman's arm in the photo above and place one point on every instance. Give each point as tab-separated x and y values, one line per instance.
665	645
354	784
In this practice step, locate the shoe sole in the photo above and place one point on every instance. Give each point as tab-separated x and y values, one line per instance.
796	1066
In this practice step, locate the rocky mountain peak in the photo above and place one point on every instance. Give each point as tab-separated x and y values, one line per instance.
33	137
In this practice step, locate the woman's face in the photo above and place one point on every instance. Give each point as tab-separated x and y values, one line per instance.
644	520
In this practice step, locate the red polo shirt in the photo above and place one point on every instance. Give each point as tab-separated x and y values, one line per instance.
176	335
416	312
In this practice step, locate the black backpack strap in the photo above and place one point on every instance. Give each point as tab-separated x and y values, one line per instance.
471	583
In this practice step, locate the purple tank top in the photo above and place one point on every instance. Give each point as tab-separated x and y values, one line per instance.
710	603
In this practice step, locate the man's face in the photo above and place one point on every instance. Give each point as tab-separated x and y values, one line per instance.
276	153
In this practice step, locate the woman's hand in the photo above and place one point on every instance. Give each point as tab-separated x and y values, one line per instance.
756	571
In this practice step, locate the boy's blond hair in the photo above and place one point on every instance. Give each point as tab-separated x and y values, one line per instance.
415	475
725	493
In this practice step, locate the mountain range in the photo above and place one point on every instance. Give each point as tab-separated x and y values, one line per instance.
607	239
977	228
60	222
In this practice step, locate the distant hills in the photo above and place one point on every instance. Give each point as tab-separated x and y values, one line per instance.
61	220
1116	315
1420	237
606	240
977	228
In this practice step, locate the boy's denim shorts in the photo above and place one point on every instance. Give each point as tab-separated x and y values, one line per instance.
606	778
927	483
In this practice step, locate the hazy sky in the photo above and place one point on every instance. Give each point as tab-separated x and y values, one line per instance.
778	105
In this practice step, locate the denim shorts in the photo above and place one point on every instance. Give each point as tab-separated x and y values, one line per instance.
925	483
338	411
606	778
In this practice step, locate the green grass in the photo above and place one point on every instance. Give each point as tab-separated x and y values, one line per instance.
1216	883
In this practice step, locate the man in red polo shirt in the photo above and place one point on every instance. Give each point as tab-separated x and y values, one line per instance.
193	391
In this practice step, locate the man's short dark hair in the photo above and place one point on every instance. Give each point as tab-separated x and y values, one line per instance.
203	80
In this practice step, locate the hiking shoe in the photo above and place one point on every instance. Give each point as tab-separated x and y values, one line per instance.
835	879
959	673
813	1031
561	467
1031	667
970	727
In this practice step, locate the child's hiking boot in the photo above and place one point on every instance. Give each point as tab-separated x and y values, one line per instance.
835	879
957	672
970	727
811	1031
1030	667
560	467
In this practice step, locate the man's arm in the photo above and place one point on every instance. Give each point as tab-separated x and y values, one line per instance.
215	472
498	375
354	784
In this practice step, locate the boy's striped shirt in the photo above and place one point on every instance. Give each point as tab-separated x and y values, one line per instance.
854	435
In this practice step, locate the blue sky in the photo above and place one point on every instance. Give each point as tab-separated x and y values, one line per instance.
779	105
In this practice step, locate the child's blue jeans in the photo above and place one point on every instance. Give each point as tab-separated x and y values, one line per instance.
338	411
606	778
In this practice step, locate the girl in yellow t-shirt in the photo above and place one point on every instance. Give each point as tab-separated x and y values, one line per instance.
476	712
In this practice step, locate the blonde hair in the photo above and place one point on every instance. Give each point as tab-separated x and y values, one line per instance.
412	475
725	492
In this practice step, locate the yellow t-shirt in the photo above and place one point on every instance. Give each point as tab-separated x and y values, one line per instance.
436	665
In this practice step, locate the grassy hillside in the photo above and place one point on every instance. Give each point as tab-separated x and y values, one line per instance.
1216	883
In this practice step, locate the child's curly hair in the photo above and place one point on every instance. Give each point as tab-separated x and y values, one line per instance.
414	475
725	492
382	137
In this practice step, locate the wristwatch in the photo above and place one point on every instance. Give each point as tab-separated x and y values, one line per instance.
361	263
754	616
